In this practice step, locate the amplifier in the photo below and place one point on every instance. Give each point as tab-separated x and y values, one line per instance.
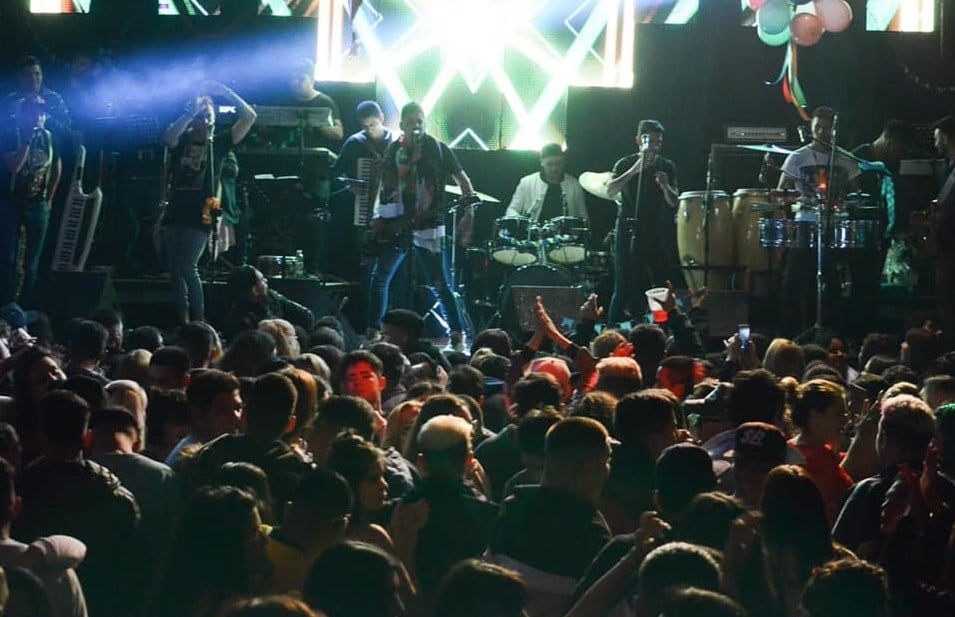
738	133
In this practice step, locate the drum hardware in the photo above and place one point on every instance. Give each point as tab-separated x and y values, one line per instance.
565	240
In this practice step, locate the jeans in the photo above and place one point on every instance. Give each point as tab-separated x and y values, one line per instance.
638	266
431	271
22	235
184	246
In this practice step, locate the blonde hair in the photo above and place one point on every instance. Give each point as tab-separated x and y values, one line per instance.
286	342
134	366
132	397
784	359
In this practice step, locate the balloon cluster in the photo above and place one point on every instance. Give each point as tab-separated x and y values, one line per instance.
779	21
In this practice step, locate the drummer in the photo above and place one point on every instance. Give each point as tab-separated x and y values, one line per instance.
550	192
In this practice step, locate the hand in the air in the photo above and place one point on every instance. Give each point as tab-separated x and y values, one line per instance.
590	310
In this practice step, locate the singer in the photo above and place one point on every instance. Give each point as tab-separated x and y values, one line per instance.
195	160
550	192
411	216
645	235
36	122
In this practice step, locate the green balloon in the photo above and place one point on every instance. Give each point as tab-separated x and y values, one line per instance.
774	40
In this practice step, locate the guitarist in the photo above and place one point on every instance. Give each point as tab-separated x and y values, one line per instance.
35	124
412	212
944	133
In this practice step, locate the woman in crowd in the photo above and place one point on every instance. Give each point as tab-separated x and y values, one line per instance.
363	467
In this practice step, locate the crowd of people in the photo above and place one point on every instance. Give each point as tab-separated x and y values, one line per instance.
573	473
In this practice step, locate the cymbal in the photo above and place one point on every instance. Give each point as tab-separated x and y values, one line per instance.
595	183
454	189
770	148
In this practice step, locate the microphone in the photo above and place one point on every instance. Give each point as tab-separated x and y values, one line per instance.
764	170
803	134
645	141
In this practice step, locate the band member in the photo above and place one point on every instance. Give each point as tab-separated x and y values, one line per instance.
35	125
412	200
549	193
197	155
645	236
883	156
304	94
807	169
944	133
366	148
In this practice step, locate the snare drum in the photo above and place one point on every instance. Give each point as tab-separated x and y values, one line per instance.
514	241
691	240
565	239
855	234
270	265
750	207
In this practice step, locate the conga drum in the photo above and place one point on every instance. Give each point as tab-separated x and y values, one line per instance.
691	237
750	206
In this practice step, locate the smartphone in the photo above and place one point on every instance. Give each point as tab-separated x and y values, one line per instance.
743	333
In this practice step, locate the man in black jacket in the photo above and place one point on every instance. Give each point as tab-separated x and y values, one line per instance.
63	493
251	301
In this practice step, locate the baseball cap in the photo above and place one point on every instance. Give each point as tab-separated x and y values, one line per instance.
16	317
759	442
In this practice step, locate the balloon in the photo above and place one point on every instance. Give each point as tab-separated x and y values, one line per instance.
755	4
773	17
774	40
835	15
806	29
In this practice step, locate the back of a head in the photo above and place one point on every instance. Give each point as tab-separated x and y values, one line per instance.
286	339
174	358
695	602
392	360
619	376
112	420
348	412
465	379
601	406
649	344
473	588
941	387
816	395
269	405
898	373
532	431
879	363
322	496
606	342
643	414
198	339
495	339
875	344
330	585
847	586
248	352
405	320
573	443
88	341
444	444
206	385
64	418
144	337
785	359
87	388
323	335
756	397
269	606
794	513
352	457
673	565
535	391
907	425
923	347
709	518
682	472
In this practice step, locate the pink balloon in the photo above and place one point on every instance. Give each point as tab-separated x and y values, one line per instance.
835	15
806	29
755	4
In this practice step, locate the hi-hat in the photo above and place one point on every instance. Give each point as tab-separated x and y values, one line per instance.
595	183
770	148
454	189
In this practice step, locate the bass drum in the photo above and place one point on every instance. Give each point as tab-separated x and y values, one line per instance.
556	286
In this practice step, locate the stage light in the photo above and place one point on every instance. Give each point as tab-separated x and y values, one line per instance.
460	58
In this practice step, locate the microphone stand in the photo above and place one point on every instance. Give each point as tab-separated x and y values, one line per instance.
636	198
214	213
825	222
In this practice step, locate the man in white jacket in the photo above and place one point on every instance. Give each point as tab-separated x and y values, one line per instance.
549	193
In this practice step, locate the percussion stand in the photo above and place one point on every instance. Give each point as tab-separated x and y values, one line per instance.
707	205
